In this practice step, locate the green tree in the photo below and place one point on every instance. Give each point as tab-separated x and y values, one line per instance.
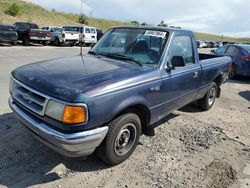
135	22
144	24
13	10
83	19
162	24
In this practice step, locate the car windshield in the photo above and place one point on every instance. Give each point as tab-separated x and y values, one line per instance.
141	45
72	29
247	48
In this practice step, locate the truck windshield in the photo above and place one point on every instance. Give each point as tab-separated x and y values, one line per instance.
141	45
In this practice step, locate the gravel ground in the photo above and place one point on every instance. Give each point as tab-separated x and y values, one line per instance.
191	149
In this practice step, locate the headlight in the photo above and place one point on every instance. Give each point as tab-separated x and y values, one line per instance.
11	85
55	110
66	113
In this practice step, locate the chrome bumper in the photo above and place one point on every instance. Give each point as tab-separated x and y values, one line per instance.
70	145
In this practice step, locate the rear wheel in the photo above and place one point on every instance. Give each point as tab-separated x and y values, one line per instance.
26	41
208	100
45	43
14	43
232	73
57	42
121	140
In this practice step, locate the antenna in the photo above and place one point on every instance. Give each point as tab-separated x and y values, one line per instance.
81	30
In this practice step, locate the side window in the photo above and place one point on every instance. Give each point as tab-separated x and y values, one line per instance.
220	51
232	51
87	30
182	46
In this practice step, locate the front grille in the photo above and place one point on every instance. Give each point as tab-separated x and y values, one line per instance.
29	98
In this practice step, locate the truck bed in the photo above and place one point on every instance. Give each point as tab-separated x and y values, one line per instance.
203	56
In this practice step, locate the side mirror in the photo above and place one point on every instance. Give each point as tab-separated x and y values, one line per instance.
51	31
213	51
178	61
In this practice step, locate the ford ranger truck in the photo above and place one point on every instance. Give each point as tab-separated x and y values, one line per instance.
104	100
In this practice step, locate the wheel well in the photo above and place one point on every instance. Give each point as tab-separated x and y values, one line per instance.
218	80
142	111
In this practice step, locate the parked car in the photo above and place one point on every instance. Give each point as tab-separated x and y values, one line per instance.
87	35
203	44
30	32
7	35
210	44
62	37
240	55
99	34
218	44
198	43
105	100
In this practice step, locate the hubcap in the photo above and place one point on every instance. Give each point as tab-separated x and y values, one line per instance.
211	97
125	139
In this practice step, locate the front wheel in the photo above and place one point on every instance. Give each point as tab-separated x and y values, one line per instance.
121	140
208	100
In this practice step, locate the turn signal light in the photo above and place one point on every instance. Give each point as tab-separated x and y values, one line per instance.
74	115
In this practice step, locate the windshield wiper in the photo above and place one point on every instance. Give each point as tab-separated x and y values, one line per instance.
123	57
95	53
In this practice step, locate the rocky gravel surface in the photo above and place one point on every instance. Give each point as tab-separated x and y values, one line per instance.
191	149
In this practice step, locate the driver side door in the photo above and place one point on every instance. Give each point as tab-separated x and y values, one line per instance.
179	85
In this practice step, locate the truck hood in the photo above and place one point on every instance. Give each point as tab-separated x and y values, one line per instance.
74	79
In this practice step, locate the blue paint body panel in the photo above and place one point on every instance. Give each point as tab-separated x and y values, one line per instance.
109	86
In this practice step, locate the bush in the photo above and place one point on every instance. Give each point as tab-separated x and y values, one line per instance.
13	10
163	24
135	22
83	19
144	24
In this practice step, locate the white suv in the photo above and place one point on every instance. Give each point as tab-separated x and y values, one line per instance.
87	35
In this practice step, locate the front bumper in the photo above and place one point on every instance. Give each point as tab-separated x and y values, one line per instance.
70	145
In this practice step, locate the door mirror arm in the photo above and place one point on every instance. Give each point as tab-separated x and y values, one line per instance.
168	67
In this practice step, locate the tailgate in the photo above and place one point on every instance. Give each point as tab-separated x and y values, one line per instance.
39	33
71	35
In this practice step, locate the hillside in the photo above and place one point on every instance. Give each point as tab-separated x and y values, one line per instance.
31	12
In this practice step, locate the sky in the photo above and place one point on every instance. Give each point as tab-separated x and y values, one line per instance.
223	17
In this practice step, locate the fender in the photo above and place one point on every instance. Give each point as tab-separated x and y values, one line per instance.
131	101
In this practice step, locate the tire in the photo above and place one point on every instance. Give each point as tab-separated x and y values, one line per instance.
26	41
208	100
233	71
121	139
14	43
45	43
57	42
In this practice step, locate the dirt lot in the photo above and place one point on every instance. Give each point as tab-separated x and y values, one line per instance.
191	149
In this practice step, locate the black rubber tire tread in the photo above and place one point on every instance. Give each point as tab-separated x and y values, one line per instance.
203	103
105	150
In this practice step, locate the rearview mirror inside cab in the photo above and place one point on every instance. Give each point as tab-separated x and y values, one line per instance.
178	61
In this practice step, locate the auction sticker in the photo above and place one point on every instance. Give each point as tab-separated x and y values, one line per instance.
154	33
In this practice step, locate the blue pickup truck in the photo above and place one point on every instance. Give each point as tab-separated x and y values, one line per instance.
104	100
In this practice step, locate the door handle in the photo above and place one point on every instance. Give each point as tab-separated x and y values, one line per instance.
195	74
155	89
